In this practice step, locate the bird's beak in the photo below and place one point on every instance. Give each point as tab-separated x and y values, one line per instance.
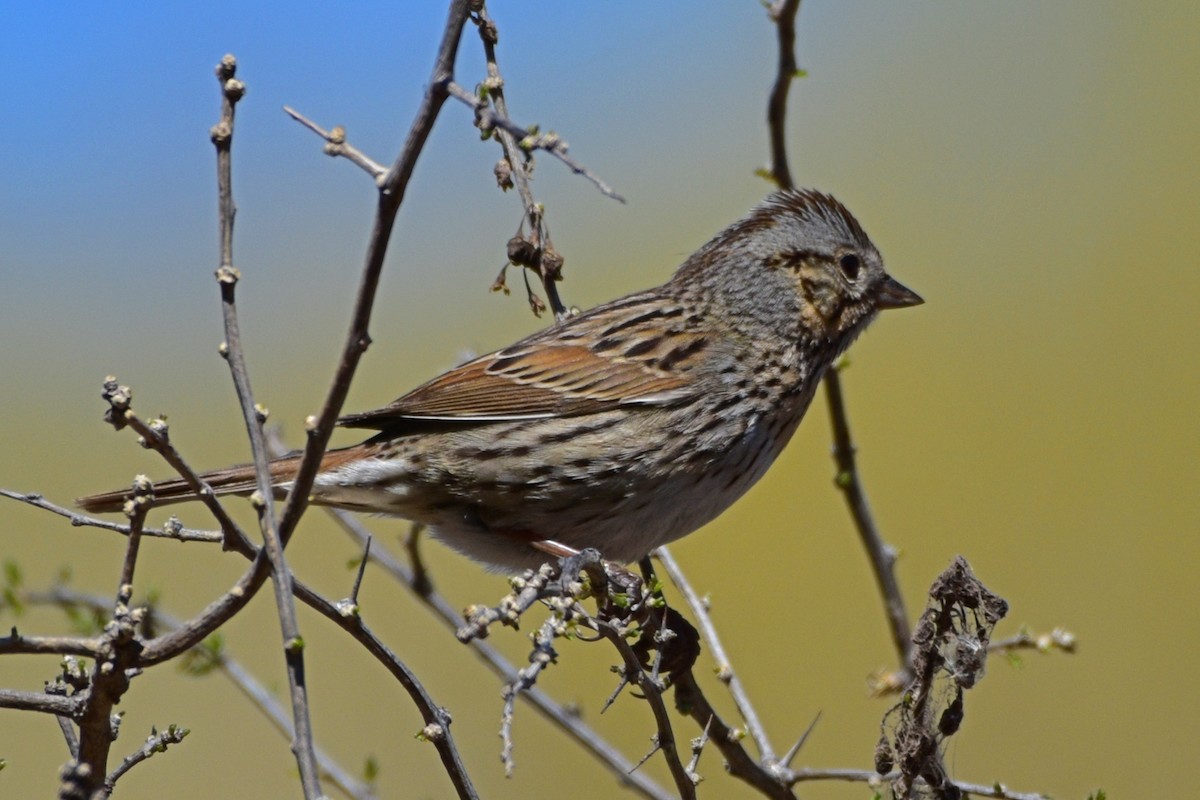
893	294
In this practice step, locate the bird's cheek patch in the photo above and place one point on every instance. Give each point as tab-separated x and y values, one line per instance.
822	297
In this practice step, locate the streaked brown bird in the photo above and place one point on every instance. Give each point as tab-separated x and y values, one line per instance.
624	427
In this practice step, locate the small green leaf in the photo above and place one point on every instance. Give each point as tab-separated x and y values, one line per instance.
11	600
800	73
84	621
766	175
12	574
204	657
371	769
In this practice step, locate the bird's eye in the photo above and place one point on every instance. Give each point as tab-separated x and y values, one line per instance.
850	264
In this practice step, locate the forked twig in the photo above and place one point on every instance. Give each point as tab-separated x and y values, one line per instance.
725	672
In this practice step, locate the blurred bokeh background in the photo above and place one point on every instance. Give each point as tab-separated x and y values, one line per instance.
1030	168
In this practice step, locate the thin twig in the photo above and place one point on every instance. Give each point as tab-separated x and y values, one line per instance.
652	691
527	590
690	699
1057	639
336	144
154	437
698	750
253	416
69	735
171	530
783	14
259	695
135	509
362	570
437	719
15	643
419	584
195	630
155	743
265	701
529	140
994	790
725	672
543	656
392	186
518	170
39	701
881	555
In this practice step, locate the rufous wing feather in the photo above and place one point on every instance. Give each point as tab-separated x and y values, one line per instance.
555	374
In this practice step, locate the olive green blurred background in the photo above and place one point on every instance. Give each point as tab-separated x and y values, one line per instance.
1030	168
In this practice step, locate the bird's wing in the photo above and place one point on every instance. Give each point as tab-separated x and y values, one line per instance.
635	351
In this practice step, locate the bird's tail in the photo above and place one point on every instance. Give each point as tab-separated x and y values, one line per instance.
231	480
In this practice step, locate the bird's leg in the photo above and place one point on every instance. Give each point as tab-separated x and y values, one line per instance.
587	560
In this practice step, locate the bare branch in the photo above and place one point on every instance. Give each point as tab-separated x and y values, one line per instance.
171	530
783	14
1057	639
690	699
548	262
154	436
417	581
881	555
69	735
528	139
994	790
108	681
362	570
260	696
392	186
50	645
217	613
45	703
543	656
725	671
336	144
155	743
652	691
253	416
135	508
